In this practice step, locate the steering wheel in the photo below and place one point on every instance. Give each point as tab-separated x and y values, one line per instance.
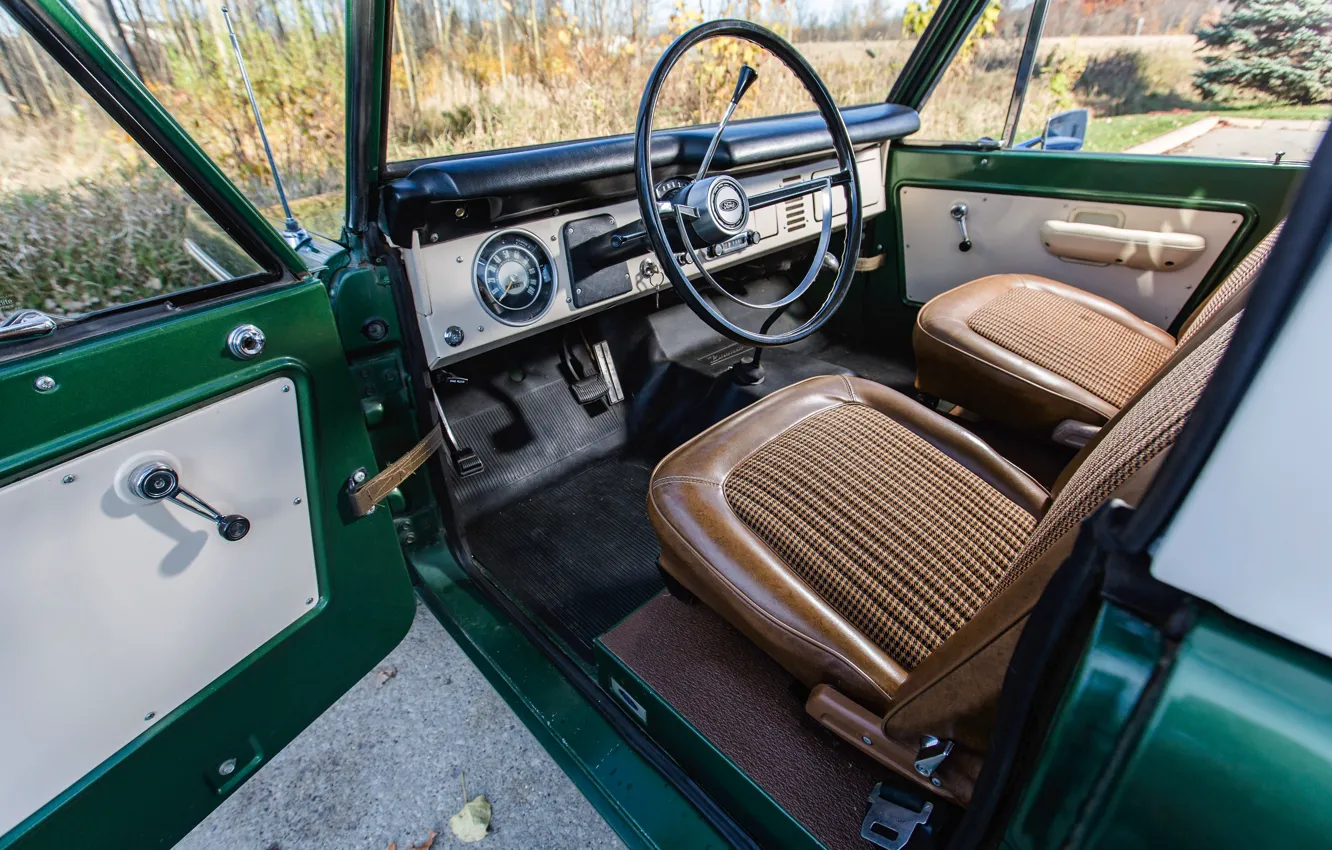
714	211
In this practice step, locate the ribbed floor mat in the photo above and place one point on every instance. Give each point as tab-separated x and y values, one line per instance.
530	435
581	555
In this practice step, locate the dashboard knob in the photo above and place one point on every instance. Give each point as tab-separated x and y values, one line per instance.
453	336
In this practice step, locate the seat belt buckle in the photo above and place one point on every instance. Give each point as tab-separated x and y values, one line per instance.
894	817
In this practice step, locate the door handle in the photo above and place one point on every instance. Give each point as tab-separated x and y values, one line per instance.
26	324
158	482
959	214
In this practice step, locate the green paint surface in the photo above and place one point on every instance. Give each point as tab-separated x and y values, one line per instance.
160	785
1101	695
1237	752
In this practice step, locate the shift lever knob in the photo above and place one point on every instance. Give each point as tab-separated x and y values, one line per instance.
748	76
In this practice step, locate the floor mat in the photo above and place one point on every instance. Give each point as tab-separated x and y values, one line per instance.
753	711
581	554
528	435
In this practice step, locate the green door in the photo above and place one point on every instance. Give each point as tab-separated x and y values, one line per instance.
182	587
1145	194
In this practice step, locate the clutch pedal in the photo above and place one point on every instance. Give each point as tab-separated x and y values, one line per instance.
463	459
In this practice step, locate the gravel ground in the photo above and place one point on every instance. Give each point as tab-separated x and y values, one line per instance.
384	764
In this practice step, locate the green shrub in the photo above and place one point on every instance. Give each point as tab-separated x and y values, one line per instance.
1280	48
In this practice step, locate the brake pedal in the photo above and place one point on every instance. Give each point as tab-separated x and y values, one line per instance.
594	382
589	389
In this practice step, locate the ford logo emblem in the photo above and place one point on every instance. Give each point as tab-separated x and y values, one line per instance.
729	205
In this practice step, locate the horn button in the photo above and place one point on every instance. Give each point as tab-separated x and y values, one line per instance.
722	205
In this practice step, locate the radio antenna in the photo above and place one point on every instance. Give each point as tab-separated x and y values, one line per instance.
292	232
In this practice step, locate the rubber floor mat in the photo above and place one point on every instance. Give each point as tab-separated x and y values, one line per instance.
581	554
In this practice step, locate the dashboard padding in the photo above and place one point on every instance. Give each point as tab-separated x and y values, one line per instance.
428	194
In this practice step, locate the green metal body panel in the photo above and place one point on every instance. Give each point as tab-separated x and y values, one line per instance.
946	32
760	815
634	798
1258	192
1109	680
1233	748
1236	753
160	785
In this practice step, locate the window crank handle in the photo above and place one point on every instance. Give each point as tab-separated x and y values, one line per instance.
158	482
959	214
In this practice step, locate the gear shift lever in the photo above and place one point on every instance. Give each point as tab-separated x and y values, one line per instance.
748	76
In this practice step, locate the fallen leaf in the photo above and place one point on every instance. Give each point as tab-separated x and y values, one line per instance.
472	822
385	674
393	845
429	842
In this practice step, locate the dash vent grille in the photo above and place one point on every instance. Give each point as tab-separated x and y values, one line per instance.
793	211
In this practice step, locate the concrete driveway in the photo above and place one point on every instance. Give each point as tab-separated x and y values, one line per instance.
1240	138
384	764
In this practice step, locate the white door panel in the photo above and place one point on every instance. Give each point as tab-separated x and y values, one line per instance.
1005	232
114	610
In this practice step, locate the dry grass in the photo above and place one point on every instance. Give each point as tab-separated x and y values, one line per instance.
83	246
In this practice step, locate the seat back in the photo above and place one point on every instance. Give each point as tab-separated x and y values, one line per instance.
1234	290
954	692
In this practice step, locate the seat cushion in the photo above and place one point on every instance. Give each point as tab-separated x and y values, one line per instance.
845	528
1033	352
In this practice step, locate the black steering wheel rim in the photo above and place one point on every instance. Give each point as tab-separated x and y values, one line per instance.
650	208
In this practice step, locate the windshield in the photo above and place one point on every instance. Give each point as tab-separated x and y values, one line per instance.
487	75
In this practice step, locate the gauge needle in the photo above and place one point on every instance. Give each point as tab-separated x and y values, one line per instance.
513	281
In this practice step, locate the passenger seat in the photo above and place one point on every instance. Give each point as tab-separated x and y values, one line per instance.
1048	357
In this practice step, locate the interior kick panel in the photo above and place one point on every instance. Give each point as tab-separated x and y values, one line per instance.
1005	235
455	323
116	610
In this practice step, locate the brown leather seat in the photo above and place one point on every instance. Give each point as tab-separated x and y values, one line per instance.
1034	352
885	556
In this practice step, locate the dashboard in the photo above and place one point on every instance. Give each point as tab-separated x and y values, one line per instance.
482	290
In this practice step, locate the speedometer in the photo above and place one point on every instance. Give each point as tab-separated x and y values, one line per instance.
515	278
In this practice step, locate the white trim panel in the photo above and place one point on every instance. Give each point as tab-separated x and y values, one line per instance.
1005	232
115	611
1252	535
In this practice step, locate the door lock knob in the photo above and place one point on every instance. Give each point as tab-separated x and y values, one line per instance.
158	482
959	214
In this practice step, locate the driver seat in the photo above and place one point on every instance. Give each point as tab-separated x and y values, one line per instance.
887	557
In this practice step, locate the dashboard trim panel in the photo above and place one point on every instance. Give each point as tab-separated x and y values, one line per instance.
441	274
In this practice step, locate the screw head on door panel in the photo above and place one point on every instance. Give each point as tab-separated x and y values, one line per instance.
226	768
44	384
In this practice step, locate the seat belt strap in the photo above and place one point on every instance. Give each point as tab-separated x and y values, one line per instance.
465	462
365	496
